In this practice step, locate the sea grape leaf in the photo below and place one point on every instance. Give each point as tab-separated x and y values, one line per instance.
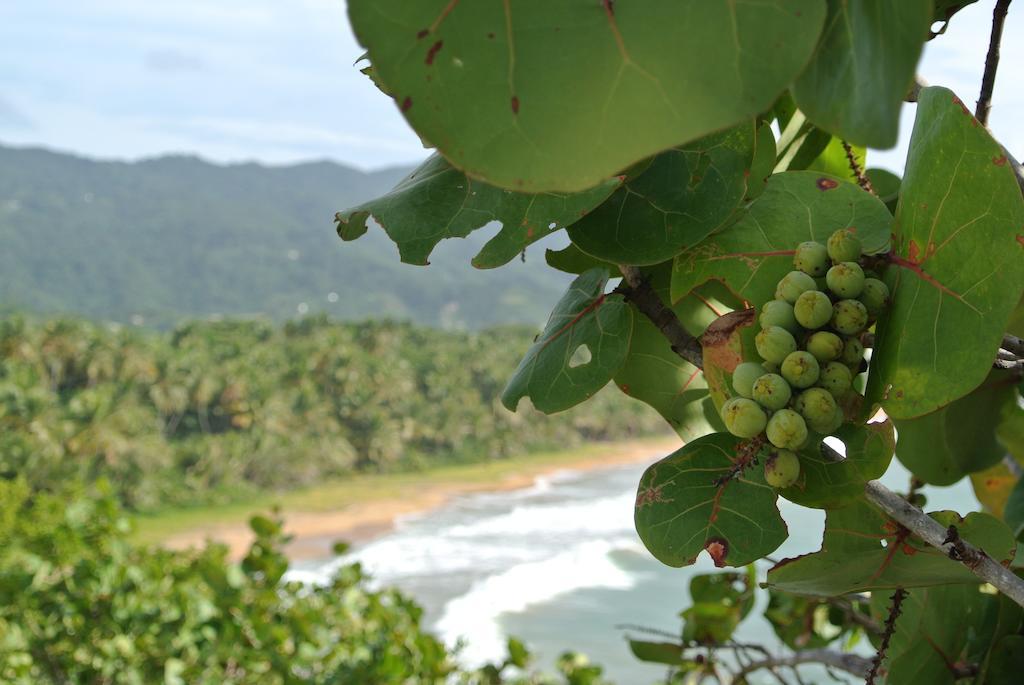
725	345
751	255
555	373
1006	661
942	447
669	653
932	631
437	201
886	185
865	62
827	484
944	11
957	267
536	95
573	260
682	508
764	160
719	602
862	550
685	194
654	374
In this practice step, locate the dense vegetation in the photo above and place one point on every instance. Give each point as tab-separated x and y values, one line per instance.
80	604
212	411
177	238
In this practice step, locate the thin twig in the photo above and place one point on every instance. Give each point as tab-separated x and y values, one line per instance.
858	171
643	297
890	627
988	79
851	663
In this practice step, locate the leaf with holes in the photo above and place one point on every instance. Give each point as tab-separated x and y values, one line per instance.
856	82
437	201
655	374
754	253
826	484
932	631
682	197
541	95
942	447
681	508
862	550
556	372
957	269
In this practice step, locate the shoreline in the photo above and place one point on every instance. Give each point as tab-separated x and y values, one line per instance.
362	508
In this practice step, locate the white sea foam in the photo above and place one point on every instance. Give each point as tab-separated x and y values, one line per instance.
475	614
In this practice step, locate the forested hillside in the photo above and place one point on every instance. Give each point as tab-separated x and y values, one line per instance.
216	411
167	239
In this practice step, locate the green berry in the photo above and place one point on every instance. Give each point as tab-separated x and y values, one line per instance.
836	378
800	369
825	346
849	317
779	313
844	246
813	309
770	367
772	391
744	376
743	418
874	296
787	430
811	258
845	279
818	408
792	284
774	343
782	469
853	352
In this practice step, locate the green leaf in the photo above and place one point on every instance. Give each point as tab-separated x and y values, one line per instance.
725	345
681	510
763	164
942	447
437	201
1006	661
572	260
862	550
683	196
826	484
957	268
932	631
944	11
754	253
556	372
555	95
654	374
864	65
669	653
886	185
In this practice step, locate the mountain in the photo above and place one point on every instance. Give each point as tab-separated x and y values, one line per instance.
161	240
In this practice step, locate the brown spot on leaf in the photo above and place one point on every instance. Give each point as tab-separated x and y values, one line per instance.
529	232
515	104
491	35
432	52
718	548
914	253
1020	239
826	183
650	495
1000	160
609	7
625	388
406	103
720	348
422	33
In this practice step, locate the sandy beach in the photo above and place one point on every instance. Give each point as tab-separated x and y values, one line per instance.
315	532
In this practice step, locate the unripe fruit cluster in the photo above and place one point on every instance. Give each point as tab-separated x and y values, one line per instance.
810	352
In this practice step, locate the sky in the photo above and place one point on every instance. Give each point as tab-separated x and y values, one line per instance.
273	81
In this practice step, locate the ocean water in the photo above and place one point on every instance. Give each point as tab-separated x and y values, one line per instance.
560	566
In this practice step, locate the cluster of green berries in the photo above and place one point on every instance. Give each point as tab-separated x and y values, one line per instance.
810	347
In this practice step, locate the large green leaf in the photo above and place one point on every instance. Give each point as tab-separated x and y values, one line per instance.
754	253
681	508
865	62
684	195
584	343
560	95
958	263
932	631
653	373
863	550
942	447
437	201
828	484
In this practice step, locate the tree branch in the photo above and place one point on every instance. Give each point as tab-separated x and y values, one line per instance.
890	627
643	297
862	179
947	540
851	663
988	79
